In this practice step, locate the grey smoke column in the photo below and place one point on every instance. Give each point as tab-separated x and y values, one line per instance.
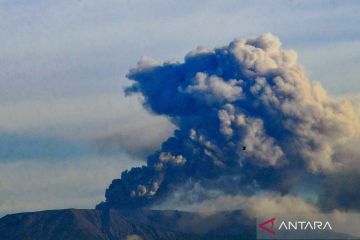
249	93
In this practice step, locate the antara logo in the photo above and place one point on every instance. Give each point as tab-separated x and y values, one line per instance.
269	225
305	225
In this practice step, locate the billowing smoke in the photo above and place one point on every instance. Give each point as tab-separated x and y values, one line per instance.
247	119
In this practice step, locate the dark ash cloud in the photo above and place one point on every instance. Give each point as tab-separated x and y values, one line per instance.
249	93
341	191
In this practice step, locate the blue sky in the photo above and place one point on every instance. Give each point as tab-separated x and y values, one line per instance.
66	128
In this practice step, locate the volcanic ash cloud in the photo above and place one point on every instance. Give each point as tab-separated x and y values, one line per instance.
249	93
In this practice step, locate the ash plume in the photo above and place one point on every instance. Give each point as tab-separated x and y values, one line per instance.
250	93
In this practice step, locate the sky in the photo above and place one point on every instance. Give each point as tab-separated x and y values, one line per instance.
66	128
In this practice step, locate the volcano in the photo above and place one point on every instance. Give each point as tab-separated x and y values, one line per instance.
111	224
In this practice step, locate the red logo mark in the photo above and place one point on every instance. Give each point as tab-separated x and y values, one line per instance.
265	228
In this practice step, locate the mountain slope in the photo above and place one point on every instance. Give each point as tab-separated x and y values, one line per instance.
72	224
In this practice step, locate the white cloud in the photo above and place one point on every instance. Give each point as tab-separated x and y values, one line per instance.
133	237
260	206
